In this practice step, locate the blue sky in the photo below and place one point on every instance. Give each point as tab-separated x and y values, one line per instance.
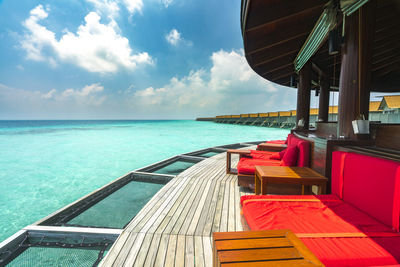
128	59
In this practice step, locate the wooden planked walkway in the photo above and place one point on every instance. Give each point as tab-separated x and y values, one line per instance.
175	226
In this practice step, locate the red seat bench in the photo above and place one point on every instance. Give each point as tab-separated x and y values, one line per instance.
246	165
277	141
358	224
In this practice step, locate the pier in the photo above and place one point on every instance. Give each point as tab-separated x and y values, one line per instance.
175	227
385	111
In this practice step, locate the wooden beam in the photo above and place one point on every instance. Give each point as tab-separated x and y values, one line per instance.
385	51
272	34
355	74
366	28
277	76
262	47
318	70
273	68
277	61
291	46
394	66
323	108
382	33
303	97
385	61
270	12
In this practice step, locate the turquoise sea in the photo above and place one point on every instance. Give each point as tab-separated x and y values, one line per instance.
45	165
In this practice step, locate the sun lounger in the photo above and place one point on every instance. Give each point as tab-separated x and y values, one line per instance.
358	224
297	154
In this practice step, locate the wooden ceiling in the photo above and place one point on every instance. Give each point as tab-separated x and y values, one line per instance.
275	30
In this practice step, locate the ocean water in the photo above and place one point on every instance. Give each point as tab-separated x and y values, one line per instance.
45	165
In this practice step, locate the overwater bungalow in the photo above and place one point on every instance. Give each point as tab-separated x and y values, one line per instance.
345	174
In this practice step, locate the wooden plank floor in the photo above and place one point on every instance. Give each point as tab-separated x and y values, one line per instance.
174	228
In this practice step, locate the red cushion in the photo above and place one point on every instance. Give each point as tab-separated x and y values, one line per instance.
276	156
257	154
304	154
329	215
282	153
355	251
288	139
290	157
373	186
276	142
261	197
304	150
338	158
247	166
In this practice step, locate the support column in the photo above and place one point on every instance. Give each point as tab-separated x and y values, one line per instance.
323	107
355	73
303	97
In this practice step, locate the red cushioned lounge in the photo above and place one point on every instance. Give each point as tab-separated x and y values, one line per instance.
365	200
330	215
256	154
247	165
263	158
355	251
276	142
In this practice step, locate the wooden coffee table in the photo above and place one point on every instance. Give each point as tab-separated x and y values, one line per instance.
261	248
271	147
304	176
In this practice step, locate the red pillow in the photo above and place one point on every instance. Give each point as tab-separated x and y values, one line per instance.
276	156
282	153
290	157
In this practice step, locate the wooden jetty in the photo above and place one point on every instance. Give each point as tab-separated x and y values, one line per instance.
174	228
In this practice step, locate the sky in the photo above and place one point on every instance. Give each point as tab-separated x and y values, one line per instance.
128	59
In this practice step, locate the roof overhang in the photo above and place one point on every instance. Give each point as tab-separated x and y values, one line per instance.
275	31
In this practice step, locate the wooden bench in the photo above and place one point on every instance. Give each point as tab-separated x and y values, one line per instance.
261	248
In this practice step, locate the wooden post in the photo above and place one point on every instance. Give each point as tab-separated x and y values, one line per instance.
323	107
355	73
303	97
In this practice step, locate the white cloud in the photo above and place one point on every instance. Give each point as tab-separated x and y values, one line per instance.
174	37
229	86
95	47
166	3
87	101
111	8
84	92
133	5
88	95
49	94
107	7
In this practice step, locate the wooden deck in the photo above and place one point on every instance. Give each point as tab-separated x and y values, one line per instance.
176	225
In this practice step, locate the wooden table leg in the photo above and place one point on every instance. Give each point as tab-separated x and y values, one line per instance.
322	189
257	184
228	162
264	185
